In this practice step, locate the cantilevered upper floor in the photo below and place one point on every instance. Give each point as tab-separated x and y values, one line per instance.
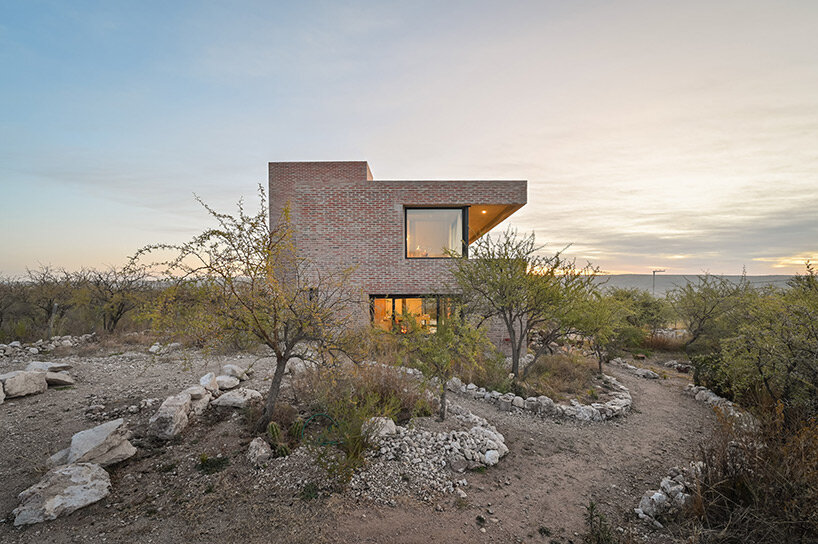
399	234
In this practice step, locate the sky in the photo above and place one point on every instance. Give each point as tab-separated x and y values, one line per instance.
654	135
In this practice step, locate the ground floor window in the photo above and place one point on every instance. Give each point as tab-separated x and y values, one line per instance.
393	312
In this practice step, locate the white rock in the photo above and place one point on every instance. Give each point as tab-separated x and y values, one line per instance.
196	391
103	445
647	374
518	402
21	383
259	451
15	344
198	406
61	491
227	382
156	348
171	418
2	394
58	378
492	457
35	366
33	351
235	371
208	381
238	398
377	427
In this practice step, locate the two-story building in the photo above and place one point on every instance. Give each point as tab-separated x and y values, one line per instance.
400	235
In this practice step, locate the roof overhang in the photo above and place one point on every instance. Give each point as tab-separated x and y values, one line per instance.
484	217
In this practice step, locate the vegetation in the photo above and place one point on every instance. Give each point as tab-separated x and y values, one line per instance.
243	278
455	345
508	279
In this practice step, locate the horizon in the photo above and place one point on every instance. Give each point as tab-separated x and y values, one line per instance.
681	137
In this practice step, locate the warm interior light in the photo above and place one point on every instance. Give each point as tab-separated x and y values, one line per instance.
484	211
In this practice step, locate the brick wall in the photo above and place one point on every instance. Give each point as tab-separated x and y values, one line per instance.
342	217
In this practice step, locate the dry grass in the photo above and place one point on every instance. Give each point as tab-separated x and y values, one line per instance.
561	376
759	484
663	343
322	388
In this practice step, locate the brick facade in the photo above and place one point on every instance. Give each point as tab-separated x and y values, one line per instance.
342	216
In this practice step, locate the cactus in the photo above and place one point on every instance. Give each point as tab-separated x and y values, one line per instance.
282	450
297	429
274	432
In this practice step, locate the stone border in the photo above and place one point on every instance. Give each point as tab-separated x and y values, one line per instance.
17	348
545	407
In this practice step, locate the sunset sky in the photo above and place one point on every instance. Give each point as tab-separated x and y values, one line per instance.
674	135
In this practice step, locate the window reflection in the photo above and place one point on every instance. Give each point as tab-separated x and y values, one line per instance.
434	232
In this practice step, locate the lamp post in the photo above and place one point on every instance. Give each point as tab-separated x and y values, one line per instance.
654	280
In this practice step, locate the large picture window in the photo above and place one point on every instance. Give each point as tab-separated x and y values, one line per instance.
434	232
391	313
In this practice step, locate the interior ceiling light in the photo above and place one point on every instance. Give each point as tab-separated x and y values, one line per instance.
484	211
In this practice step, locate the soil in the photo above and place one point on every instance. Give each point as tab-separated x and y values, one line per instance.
538	493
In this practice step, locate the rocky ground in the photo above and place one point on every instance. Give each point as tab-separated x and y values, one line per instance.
536	493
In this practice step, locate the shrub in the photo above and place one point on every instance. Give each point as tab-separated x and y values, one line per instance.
759	483
558	376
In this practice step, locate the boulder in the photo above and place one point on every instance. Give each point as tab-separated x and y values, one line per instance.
35	366
492	457
518	402
61	491
58	378
198	406
238	398
21	383
376	427
2	394
259	452
155	349
208	381
235	371
647	374
102	445
196	392
227	382
171	418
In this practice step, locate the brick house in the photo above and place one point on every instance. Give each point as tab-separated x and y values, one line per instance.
397	233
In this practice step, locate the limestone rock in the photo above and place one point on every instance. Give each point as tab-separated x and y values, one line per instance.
198	406
62	491
492	457
259	451
647	374
238	398
171	418
227	382
196	391
235	371
2	394
208	381
377	427
102	445
59	378
35	366
21	383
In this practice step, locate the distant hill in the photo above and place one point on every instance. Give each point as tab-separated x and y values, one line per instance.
666	282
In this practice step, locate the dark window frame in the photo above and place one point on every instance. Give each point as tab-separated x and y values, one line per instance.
438	297
464	210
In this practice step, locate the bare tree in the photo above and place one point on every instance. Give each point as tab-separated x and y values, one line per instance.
254	283
114	292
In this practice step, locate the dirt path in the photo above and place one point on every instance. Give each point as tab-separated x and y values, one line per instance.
536	494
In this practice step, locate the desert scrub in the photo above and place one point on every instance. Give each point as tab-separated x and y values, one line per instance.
212	465
560	376
322	388
758	483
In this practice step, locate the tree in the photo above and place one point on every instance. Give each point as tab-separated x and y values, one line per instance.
52	293
775	350
709	310
456	344
248	280
506	278
602	319
647	312
114	292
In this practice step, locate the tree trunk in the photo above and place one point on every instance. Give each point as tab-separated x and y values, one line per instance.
442	412
272	396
